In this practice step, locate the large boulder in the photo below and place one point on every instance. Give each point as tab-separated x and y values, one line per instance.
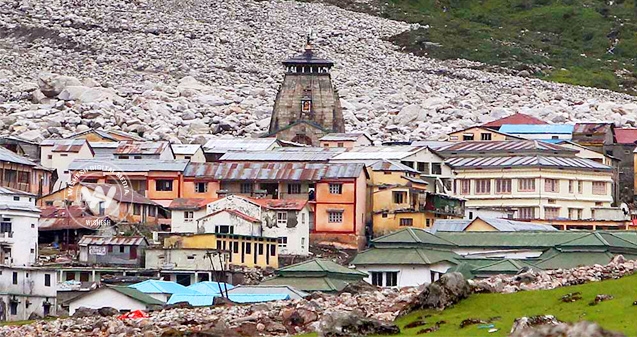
353	324
85	312
450	289
108	311
89	95
52	85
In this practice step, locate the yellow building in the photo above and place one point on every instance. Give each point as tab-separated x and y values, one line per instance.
479	133
400	199
248	251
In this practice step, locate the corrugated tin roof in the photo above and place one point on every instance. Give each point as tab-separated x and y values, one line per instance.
232	212
162	287
121	194
141	148
128	165
535	239
592	128
555	259
403	256
626	136
413	236
185	149
351	136
209	287
12	157
324	284
104	145
257	298
113	240
319	266
432	144
526	161
566	129
503	225
391	165
222	145
505	266
274	171
505	146
67	145
136	295
12	191
76	222
380	152
196	300
516	118
190	203
107	134
274	156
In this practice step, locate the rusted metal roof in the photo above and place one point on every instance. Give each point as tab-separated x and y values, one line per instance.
185	149
190	203
592	128
8	156
107	135
73	217
121	194
12	191
351	136
65	145
506	146
303	154
274	171
626	136
391	165
141	148
516	118
281	204
223	145
94	240
128	165
526	161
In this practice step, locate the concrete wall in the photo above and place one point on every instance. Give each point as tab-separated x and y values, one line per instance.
184	259
105	297
30	287
408	275
23	240
476	132
297	231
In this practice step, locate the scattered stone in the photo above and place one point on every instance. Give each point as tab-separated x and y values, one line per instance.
85	312
579	329
471	321
601	298
523	323
571	297
108	311
352	324
448	290
415	324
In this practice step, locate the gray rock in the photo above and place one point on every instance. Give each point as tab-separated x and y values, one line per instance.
448	290
353	324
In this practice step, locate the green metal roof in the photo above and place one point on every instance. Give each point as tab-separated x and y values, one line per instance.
404	256
324	284
412	236
511	239
565	260
319	267
136	295
506	266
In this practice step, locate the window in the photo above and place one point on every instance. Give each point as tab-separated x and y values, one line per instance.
48	203
294	188
246	188
123	157
335	217
201	187
575	214
580	187
467	137
235	248
49	156
391	278
260	249
599	187
101	208
152	210
47	280
137	209
377	278
503	186
526	213
340	144
483	186
16	198
485	136
428	222
121	249
15	277
189	216
5	227
282	218
423	167
272	250
64	155
526	185
407	222
384	215
13	308
399	197
32	225
282	241
336	188
571	186
187	157
302	243
248	248
302	218
551	185
436	168
164	185
224	229
408	163
551	213
465	186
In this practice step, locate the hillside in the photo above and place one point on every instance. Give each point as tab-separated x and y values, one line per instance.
584	42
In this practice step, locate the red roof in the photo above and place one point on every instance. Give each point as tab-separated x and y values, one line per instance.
190	203
281	204
516	118
626	136
235	212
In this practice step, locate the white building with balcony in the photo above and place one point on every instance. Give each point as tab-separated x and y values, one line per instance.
18	228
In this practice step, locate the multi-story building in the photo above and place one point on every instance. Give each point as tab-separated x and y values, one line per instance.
59	153
479	133
27	292
22	174
534	179
192	152
215	148
18	228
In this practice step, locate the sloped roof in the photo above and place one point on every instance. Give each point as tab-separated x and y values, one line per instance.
281	204
503	225
140	148
8	156
210	287
106	134
531	129
412	236
391	165
269	289
196	300
303	155
88	240
234	212
556	259
403	256
535	239
320	266
593	128
64	145
504	266
136	295
274	171
323	284
190	203
626	136
12	191
517	147
162	287
185	149
128	165
516	118
380	152
122	194
348	136
222	145
526	161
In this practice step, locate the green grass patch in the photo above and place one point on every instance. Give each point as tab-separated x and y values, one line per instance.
616	314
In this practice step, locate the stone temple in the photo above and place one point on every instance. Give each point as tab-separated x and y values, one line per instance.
307	106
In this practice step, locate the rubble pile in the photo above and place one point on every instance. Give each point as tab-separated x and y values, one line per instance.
188	70
550	327
368	310
551	279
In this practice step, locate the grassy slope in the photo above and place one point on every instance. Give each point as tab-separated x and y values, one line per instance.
616	314
549	34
